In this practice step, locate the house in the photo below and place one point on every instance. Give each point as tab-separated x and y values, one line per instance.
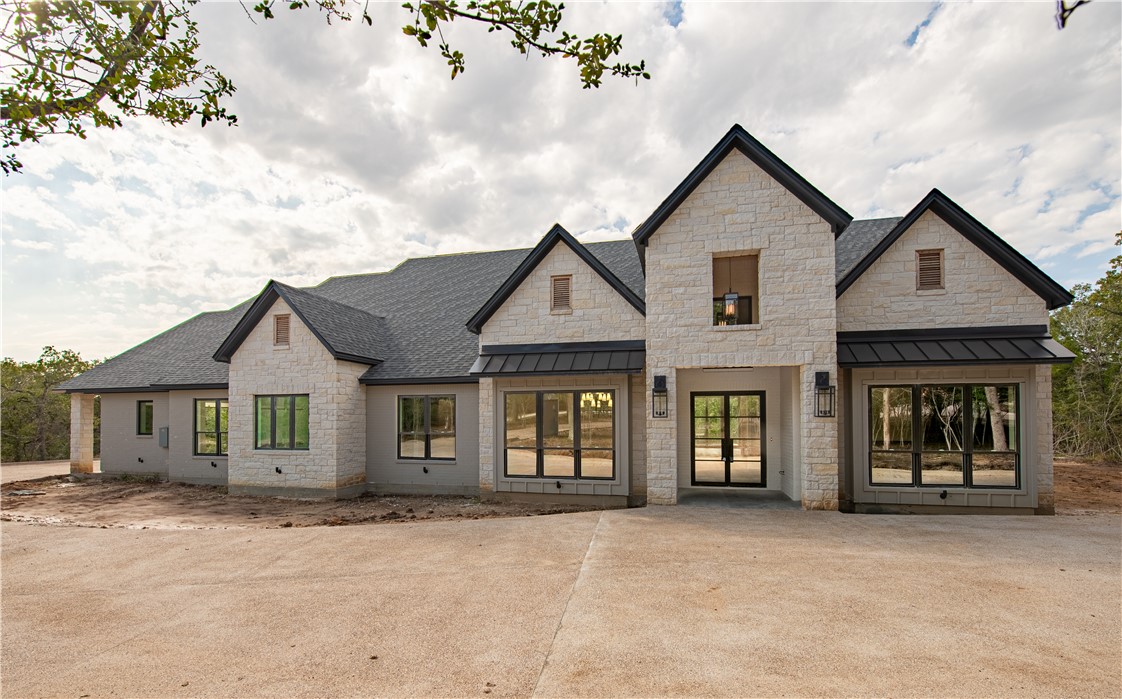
751	335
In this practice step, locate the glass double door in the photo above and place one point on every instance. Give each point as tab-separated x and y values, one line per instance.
727	444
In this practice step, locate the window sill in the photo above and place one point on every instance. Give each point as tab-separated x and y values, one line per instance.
734	328
214	457
261	450
427	462
144	436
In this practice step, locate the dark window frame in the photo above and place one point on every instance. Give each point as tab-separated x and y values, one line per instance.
728	483
140	404
967	452
221	436
273	422
540	449
428	427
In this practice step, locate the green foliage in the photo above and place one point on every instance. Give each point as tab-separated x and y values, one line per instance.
70	63
34	419
1087	394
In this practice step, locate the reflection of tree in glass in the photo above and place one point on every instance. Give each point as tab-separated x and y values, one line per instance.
944	405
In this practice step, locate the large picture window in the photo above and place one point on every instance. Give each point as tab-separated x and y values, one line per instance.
962	436
211	427
560	434
281	422
426	427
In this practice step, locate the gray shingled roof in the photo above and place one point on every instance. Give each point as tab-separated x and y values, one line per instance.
411	318
857	241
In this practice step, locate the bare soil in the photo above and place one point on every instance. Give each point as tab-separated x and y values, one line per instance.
137	503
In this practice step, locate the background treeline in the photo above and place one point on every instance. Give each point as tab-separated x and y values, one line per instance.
1086	394
34	419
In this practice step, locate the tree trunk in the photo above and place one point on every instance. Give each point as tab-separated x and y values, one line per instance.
885	421
997	419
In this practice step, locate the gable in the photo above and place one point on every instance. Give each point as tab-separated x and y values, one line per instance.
977	291
739	140
557	237
597	310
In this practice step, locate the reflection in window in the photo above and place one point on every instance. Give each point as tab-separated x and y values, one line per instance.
426	427
281	422
944	435
554	434
211	429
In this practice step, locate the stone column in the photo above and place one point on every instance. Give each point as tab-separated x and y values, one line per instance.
81	432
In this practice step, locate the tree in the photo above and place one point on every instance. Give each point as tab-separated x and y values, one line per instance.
1087	394
34	419
70	63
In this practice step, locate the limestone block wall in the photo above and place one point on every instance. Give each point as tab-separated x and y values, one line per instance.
335	462
637	426
978	291
598	311
81	432
487	407
122	449
1041	408
740	209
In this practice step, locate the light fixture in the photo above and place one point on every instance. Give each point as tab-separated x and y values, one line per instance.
824	395
732	299
660	398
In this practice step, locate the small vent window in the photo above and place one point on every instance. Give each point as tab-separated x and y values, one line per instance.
560	298
281	325
929	269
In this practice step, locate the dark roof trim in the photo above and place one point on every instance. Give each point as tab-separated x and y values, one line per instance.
153	388
555	235
191	386
1002	253
555	347
767	161
419	381
971	332
257	310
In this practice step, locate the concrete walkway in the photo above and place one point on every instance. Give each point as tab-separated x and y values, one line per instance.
30	470
650	602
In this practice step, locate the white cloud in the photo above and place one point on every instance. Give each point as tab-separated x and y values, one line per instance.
354	150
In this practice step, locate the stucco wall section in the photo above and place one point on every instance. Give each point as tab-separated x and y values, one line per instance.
121	447
386	473
336	458
739	208
978	291
598	311
183	465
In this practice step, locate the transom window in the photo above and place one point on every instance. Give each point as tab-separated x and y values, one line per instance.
962	436
211	428
280	422
144	417
560	434
736	290
426	427
929	270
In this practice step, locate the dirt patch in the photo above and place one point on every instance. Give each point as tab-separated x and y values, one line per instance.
147	504
1083	488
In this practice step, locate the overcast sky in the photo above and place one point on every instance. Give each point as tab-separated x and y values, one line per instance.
355	151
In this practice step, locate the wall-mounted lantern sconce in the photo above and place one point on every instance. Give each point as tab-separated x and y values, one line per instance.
824	395
732	301
660	398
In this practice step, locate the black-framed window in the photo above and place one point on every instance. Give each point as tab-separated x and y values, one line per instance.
945	435
559	434
211	427
426	427
281	422
144	412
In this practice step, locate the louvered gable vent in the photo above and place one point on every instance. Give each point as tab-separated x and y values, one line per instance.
929	269
281	326
560	300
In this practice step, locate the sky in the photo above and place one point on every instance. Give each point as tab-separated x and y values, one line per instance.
355	151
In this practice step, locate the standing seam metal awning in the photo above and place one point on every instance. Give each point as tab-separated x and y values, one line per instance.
1013	345
562	358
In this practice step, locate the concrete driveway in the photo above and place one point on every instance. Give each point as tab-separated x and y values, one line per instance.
651	602
30	470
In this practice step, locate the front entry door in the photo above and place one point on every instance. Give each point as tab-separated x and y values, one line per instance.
727	441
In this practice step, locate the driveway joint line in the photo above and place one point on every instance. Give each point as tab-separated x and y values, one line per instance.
565	609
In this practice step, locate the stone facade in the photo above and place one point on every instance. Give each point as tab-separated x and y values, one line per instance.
1041	409
81	432
335	462
598	311
977	291
740	209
